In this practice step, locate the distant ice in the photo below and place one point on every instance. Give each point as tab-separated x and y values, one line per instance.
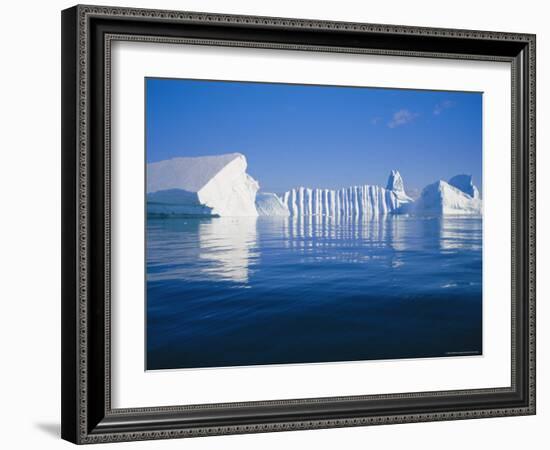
220	186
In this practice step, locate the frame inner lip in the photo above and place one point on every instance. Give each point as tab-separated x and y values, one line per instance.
111	37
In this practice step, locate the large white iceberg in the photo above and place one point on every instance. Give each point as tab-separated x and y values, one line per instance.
205	185
442	198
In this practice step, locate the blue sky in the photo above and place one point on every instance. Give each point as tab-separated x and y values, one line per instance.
318	136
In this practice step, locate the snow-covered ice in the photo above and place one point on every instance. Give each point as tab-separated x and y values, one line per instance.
210	185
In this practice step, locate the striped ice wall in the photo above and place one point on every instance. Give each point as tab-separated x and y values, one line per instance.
348	202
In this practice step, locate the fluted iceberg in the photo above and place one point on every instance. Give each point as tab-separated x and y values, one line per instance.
351	201
365	200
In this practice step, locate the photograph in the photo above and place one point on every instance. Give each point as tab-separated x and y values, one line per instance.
301	223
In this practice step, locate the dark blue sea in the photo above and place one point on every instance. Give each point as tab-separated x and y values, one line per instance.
273	290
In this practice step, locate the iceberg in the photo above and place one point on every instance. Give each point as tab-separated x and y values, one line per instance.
443	198
220	186
364	200
205	185
396	185
459	196
176	202
347	202
270	204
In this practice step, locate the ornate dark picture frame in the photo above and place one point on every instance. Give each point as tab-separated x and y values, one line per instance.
87	34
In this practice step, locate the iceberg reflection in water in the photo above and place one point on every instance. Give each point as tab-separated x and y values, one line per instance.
228	247
274	290
201	249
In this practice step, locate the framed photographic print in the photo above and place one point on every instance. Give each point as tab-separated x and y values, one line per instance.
276	224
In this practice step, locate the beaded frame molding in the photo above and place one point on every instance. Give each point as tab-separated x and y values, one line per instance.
87	35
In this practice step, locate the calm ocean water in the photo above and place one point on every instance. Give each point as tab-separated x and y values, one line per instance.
270	290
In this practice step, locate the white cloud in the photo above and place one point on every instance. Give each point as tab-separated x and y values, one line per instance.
401	117
440	107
